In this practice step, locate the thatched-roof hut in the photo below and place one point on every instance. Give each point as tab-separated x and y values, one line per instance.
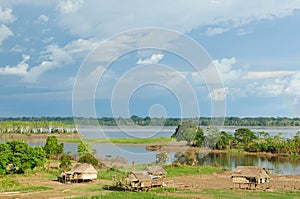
156	171
80	172
250	175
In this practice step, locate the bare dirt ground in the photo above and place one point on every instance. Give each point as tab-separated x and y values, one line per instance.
188	182
223	180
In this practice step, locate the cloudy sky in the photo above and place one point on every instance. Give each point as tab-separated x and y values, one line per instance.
254	45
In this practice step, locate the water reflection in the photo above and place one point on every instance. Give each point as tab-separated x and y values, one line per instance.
277	165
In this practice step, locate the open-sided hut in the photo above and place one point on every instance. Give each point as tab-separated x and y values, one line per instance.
80	172
250	175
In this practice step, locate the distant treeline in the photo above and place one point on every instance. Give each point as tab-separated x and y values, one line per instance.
147	121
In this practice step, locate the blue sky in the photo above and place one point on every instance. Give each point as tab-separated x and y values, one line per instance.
254	45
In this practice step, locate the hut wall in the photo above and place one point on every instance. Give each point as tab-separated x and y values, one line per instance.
240	180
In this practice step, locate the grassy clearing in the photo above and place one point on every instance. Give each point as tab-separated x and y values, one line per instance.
238	194
118	140
131	195
8	184
191	170
109	174
231	194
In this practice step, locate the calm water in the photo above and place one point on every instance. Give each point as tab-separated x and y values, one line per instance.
139	154
124	132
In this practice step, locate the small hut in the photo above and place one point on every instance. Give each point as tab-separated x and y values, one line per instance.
156	171
139	179
250	175
80	172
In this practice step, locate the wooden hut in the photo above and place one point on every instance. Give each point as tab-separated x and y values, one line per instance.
139	179
250	175
156	171
80	172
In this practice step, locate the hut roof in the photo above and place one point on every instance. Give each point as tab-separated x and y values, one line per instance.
84	168
250	171
155	170
139	175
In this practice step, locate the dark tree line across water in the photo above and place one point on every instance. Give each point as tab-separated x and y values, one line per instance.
242	139
147	121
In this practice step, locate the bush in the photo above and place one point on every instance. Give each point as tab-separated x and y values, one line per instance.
90	159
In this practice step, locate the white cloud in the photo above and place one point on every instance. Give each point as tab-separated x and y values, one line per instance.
42	19
216	31
55	56
6	15
155	58
115	16
69	6
20	69
225	68
5	32
218	94
268	74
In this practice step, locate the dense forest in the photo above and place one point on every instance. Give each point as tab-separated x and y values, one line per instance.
45	122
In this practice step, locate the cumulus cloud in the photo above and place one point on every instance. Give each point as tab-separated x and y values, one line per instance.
20	69
5	32
155	58
216	31
69	6
6	15
42	19
218	94
55	56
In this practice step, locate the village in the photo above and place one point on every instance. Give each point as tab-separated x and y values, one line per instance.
83	180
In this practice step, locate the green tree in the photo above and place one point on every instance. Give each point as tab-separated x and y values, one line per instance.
162	157
52	148
90	159
5	155
186	131
199	138
24	157
212	137
243	137
65	162
84	148
225	140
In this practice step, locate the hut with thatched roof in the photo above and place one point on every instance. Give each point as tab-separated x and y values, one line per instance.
79	173
139	179
250	175
156	171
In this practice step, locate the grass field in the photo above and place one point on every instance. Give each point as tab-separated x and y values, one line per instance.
151	140
206	193
191	170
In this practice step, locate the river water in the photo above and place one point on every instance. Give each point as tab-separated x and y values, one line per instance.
139	154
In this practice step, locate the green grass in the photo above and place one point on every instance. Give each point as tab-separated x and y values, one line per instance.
7	183
130	195
30	188
190	170
109	174
118	140
247	194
